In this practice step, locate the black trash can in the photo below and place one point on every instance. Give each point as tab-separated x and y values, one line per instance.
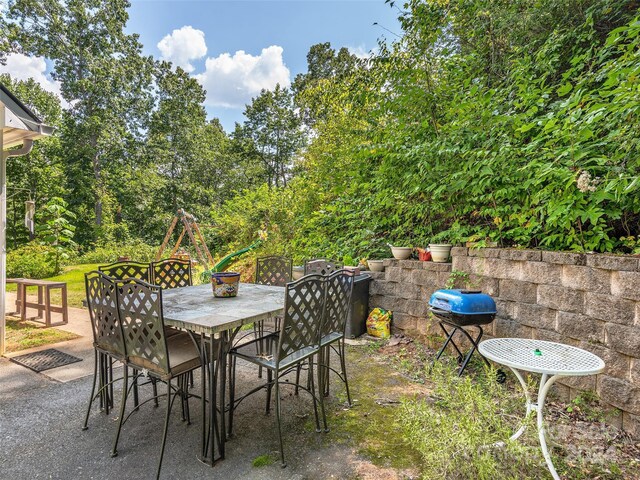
357	324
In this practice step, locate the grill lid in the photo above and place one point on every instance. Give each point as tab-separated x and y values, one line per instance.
463	302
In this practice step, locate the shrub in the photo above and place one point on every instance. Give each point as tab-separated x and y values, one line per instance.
454	430
138	251
31	261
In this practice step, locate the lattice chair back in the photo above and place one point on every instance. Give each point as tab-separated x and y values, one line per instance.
337	308
303	310
140	309
171	273
276	271
103	313
122	270
321	266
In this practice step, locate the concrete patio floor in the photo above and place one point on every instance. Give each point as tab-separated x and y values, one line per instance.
41	415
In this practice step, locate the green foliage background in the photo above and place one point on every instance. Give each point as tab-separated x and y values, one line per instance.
491	120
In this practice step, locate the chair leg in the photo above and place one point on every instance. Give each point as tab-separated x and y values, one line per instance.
166	426
110	380
321	379
258	332
298	369
343	365
154	383
136	397
269	387
278	415
93	389
312	389
232	392
125	388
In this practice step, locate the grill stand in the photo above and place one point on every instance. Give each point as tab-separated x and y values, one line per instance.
449	340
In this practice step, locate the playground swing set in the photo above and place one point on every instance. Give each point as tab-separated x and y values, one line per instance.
191	228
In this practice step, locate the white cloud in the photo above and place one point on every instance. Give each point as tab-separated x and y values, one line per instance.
22	67
182	46
360	52
231	81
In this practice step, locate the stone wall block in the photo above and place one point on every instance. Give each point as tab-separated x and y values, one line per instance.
518	291
504	327
619	393
580	327
424	277
623	339
484	252
581	383
417	308
564	258
404	322
626	284
410	264
541	273
521	255
376	275
561	298
436	267
386	302
631	424
408	291
613	262
488	285
586	278
634	371
552	336
390	262
616	364
459	252
505	308
381	287
500	268
462	264
535	316
394	274
610	308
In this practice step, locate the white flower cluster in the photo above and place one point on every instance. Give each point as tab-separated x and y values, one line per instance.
586	183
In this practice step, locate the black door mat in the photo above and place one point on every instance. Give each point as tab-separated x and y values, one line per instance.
45	360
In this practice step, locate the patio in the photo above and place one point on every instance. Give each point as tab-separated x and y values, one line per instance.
43	414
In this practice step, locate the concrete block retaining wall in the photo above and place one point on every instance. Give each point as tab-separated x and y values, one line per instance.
591	301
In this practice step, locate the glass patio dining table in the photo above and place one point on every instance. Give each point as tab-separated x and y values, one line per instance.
206	317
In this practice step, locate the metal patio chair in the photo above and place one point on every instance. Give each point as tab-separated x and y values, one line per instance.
171	273
108	338
321	266
336	315
122	270
276	271
337	310
150	350
281	352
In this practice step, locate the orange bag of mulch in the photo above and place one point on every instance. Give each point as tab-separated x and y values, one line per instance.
379	323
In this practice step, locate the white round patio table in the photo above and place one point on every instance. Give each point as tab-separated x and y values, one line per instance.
552	360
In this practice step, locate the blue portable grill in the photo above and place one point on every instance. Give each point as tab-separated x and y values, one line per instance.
459	309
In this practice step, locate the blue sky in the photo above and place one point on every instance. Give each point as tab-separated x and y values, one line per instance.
235	48
251	26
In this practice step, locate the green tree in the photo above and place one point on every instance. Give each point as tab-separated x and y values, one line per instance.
272	134
56	230
105	80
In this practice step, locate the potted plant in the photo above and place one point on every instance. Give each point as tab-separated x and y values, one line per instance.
401	253
376	265
440	252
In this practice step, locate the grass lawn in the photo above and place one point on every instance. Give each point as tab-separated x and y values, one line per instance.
24	335
74	276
